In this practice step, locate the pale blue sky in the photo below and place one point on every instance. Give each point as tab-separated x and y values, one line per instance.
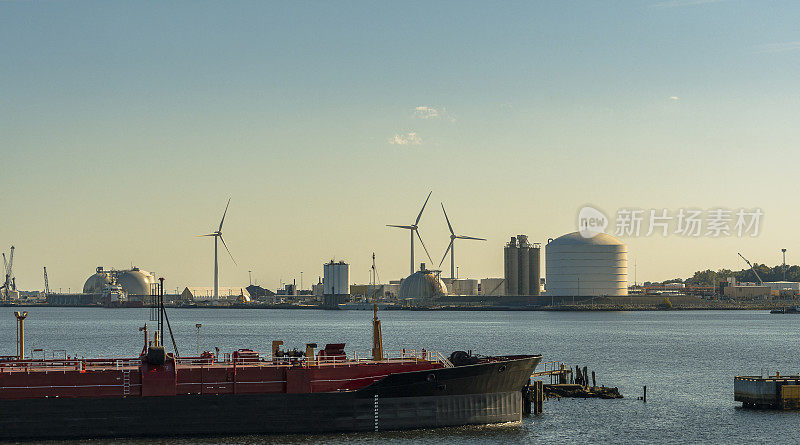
126	125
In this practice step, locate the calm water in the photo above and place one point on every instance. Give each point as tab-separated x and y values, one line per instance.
686	359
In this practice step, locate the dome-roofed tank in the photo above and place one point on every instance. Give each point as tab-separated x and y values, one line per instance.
95	283
134	281
423	284
578	266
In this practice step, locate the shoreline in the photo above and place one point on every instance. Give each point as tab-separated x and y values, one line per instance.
455	308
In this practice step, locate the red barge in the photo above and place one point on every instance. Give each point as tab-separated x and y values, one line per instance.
161	394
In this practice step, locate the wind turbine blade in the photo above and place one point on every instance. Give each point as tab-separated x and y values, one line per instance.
223	215
400	227
470	237
448	221
226	248
423	246
210	234
445	252
423	209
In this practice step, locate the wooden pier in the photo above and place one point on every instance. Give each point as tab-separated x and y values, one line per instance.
771	392
564	382
557	371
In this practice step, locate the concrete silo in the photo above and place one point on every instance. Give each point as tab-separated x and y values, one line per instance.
578	266
336	283
521	261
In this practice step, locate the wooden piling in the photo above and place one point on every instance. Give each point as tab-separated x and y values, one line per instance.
538	393
527	398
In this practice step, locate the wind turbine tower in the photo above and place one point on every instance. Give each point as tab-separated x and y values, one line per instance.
218	236
414	228
452	247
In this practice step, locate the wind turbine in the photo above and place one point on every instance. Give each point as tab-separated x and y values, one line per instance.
452	248
414	228
218	235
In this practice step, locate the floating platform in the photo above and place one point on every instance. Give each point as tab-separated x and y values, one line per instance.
772	392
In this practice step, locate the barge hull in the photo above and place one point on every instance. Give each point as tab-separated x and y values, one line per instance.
466	395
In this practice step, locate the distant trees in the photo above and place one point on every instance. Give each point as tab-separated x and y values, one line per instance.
708	277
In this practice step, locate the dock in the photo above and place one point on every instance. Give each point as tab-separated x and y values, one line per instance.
771	392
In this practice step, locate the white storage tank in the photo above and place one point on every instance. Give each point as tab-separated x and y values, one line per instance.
336	278
578	266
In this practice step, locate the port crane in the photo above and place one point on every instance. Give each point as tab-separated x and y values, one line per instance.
760	281
9	282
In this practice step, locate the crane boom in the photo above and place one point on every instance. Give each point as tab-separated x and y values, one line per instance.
752	268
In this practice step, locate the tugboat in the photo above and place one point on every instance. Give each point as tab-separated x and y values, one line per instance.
786	310
245	392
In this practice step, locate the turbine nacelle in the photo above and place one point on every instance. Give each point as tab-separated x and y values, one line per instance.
451	247
414	228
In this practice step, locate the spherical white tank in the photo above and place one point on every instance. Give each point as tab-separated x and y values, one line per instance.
578	266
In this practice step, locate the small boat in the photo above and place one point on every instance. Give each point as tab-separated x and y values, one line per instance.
786	310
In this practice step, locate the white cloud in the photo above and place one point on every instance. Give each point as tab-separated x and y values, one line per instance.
674	98
423	112
779	47
412	138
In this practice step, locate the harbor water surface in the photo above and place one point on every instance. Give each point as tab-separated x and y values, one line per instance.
687	359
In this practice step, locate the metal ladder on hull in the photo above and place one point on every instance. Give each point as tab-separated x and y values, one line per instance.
126	382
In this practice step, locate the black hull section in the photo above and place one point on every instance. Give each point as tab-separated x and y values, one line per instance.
477	394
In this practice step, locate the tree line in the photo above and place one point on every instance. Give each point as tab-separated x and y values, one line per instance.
708	277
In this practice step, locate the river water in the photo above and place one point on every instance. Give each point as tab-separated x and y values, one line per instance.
687	359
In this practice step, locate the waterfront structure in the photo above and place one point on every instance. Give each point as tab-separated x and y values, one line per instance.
134	281
381	291
461	286
521	264
423	284
493	287
336	283
201	293
792	287
579	266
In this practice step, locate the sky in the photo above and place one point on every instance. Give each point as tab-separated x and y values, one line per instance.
126	126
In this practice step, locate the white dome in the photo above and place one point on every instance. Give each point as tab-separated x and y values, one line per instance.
95	283
134	281
423	284
578	266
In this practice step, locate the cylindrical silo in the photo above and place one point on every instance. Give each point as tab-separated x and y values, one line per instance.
535	271
511	263
578	266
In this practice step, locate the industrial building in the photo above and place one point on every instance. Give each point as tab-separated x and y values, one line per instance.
522	266
748	292
578	266
336	283
381	291
134	281
423	284
239	294
461	286
492	287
